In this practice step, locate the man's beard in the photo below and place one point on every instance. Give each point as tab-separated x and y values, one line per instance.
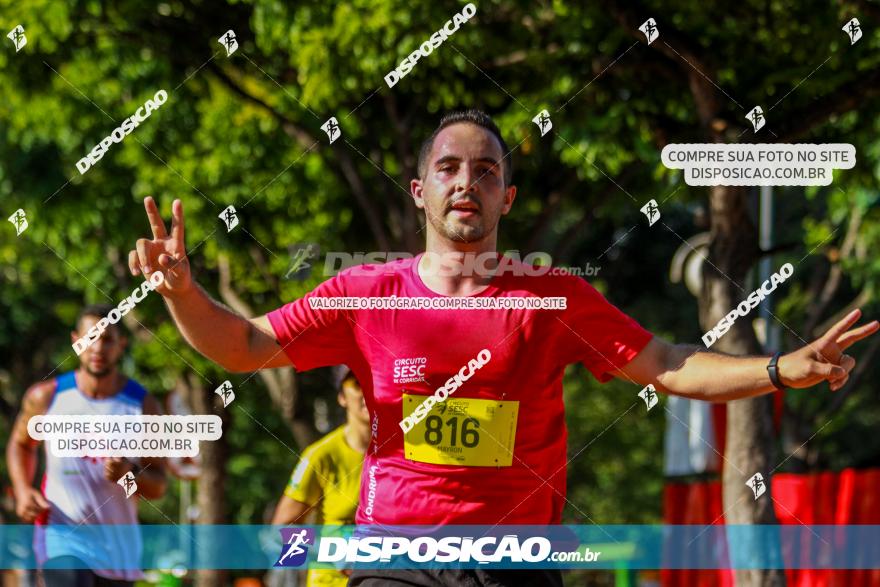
460	233
470	234
99	374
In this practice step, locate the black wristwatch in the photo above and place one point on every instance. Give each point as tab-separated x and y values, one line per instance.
773	371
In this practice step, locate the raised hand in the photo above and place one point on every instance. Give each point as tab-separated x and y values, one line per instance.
824	359
163	253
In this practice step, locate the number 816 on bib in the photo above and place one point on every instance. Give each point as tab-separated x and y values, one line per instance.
462	431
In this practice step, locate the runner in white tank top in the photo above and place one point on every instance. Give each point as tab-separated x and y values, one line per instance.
79	493
82	492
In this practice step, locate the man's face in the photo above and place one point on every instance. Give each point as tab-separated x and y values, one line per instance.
352	399
101	357
463	192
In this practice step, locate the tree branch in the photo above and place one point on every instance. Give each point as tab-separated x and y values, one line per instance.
351	176
832	284
349	173
678	48
305	139
845	98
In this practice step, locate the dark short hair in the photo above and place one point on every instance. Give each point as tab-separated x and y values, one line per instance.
472	116
96	310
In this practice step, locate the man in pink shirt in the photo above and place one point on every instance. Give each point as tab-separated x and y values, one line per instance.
489	447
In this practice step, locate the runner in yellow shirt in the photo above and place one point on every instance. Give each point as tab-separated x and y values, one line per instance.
327	478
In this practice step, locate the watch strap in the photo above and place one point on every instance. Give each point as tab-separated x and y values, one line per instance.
773	371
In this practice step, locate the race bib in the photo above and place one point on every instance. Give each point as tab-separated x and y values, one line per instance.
462	431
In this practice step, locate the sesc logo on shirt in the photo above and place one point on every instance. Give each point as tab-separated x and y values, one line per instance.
411	370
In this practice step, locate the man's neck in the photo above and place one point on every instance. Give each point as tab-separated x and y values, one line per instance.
458	269
99	387
357	435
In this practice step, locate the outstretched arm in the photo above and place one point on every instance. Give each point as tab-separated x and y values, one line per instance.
692	371
232	341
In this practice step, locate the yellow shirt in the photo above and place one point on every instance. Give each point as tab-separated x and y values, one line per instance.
328	476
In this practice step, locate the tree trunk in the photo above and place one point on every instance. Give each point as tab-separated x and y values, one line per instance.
750	445
210	497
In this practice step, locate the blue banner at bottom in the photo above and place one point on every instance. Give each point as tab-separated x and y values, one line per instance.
461	547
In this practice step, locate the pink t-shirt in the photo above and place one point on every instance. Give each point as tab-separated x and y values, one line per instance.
529	351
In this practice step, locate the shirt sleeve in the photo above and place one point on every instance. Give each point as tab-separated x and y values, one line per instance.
304	485
315	337
597	334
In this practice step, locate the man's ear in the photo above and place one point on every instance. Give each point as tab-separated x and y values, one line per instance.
74	336
415	187
509	197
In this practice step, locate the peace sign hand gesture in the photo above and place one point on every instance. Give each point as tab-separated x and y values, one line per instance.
163	253
824	359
